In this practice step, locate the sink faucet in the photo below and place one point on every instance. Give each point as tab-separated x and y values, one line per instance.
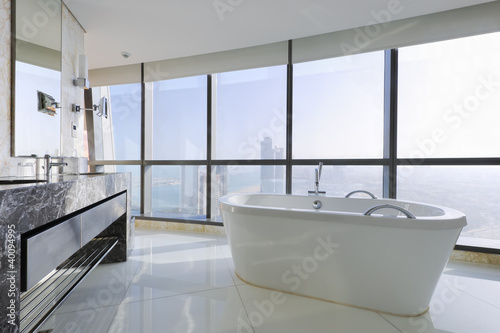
49	164
317	173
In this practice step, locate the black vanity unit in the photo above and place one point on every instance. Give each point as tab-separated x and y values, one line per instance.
52	234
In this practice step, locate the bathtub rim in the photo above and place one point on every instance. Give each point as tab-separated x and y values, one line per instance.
451	219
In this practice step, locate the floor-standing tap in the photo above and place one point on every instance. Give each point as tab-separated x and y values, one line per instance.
49	164
317	173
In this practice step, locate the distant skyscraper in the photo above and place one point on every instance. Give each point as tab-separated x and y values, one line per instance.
220	189
267	171
279	171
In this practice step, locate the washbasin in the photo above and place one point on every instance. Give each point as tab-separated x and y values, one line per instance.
20	181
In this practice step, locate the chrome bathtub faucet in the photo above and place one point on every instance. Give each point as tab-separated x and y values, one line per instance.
317	173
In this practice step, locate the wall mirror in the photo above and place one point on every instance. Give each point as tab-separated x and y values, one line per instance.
36	74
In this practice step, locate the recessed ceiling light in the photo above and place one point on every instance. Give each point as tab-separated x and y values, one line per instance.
125	54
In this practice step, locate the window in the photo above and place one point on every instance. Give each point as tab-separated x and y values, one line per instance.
449	97
447	111
338	180
338	107
250	114
229	179
125	119
179	189
473	190
180	119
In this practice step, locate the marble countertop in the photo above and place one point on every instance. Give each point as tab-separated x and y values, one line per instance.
42	180
34	204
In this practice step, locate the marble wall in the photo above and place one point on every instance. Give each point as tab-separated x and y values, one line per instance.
6	163
72	47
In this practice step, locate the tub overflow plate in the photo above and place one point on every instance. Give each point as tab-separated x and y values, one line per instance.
317	204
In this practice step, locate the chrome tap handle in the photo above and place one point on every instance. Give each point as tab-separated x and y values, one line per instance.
320	167
47	159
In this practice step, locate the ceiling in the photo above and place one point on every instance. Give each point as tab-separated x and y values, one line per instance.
164	29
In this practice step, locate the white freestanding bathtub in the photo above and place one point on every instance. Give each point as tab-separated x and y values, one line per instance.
385	261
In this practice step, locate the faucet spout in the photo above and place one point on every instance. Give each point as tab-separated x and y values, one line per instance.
317	173
48	164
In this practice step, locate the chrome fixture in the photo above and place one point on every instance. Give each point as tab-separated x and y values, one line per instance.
399	209
317	173
317	204
49	164
101	109
362	191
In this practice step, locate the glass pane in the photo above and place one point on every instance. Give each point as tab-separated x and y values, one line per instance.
338	107
125	117
250	114
179	189
135	171
338	180
180	119
449	97
473	190
245	179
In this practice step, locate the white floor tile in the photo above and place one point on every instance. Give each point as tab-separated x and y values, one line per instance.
452	310
218	310
177	264
269	311
106	285
478	280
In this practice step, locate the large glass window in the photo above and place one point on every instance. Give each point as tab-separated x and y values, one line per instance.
338	181
473	190
229	179
125	117
449	97
250	114
448	101
338	107
180	119
179	190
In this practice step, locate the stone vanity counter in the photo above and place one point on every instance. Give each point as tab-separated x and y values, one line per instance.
28	206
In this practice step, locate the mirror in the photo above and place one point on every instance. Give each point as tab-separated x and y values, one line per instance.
103	107
36	77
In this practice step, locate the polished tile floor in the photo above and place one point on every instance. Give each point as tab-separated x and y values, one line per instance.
185	282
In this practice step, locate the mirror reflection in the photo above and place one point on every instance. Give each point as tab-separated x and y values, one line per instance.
37	78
